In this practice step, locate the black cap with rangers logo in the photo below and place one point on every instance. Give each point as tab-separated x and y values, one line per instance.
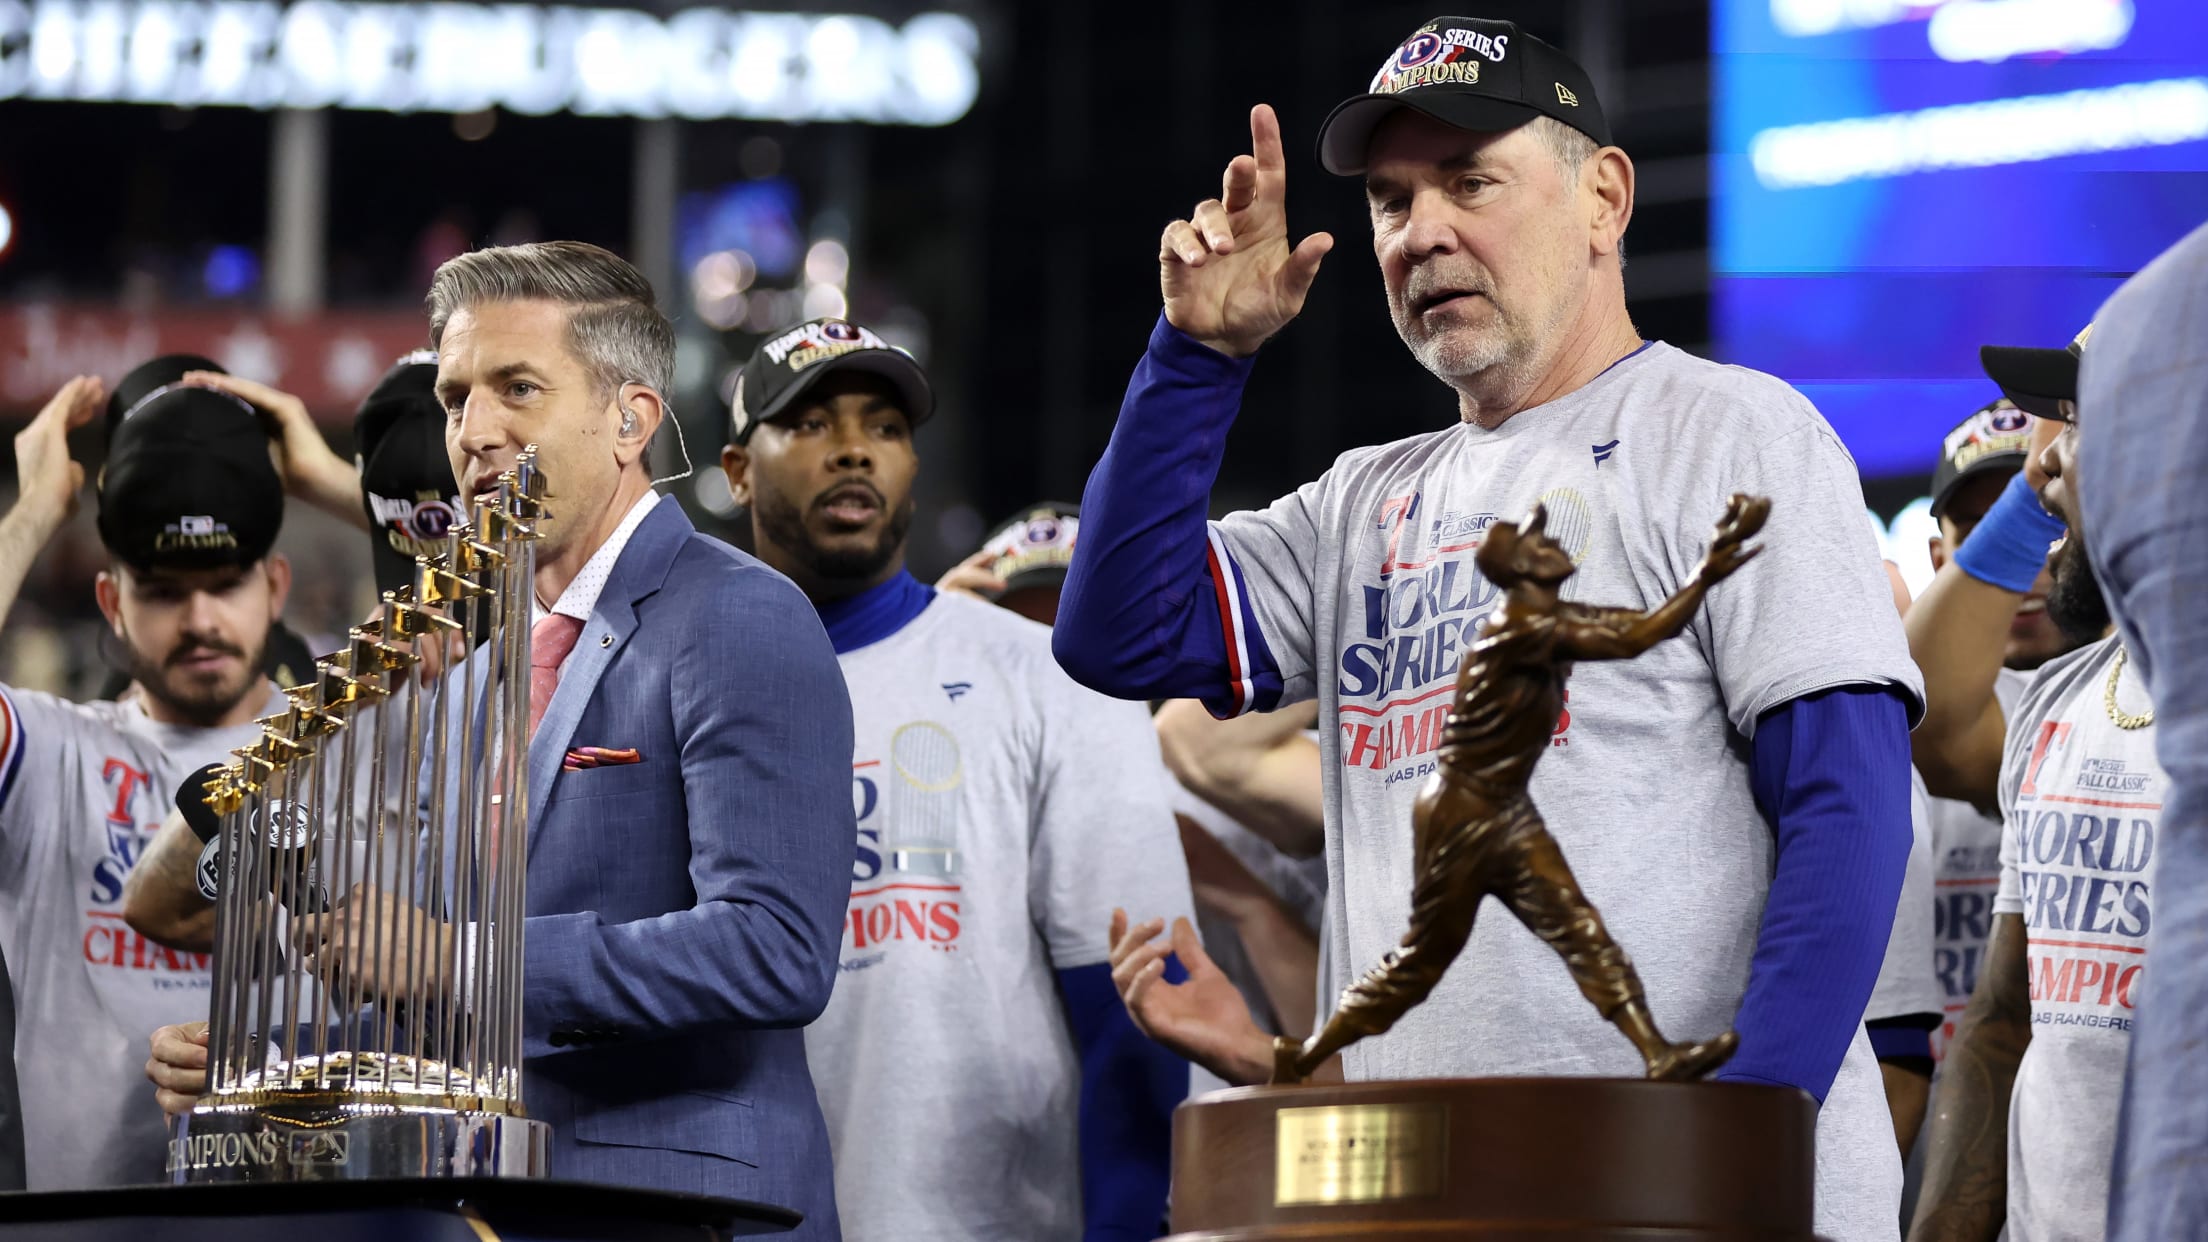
1470	73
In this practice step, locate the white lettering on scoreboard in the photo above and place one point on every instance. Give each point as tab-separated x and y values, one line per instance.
699	64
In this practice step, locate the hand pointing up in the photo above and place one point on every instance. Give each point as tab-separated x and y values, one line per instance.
1229	276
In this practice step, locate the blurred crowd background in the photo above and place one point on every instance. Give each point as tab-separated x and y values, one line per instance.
1851	193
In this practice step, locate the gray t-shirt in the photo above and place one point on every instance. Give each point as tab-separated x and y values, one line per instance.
83	789
1966	871
1362	584
1003	812
1906	985
2082	805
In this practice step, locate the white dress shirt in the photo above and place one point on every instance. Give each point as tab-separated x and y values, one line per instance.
581	595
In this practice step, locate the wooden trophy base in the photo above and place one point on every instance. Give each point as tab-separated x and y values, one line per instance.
1547	1159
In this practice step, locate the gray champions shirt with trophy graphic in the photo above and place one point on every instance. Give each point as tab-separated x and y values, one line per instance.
83	789
1003	812
1363	585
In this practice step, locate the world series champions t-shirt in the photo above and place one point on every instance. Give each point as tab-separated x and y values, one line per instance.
2082	806
1966	873
83	789
1362	584
1003	811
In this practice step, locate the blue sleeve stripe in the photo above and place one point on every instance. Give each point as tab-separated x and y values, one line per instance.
1235	623
11	747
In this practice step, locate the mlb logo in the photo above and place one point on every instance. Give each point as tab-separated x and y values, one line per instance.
195	524
320	1148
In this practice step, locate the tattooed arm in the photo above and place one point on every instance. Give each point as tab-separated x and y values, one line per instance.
1966	1177
161	898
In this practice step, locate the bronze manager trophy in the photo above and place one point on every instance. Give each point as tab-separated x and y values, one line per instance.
1555	1159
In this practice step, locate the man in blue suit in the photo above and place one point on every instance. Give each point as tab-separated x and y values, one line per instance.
689	870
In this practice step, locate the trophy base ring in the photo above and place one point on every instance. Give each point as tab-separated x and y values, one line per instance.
1547	1159
322	1141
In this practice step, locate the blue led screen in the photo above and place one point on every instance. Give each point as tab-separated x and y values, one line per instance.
1896	184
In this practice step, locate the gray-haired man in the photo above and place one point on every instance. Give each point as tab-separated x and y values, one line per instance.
690	813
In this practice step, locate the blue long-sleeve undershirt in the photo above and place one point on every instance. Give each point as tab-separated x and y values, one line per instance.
1129	1089
1831	773
1139	618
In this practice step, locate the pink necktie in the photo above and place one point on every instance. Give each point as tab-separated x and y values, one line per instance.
549	642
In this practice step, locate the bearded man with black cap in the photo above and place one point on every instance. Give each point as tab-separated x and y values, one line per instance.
190	504
400	490
2023	1133
1003	810
1967	666
1737	802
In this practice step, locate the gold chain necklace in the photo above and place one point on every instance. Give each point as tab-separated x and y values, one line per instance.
2122	718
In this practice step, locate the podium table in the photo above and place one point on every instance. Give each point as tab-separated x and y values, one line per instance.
476	1209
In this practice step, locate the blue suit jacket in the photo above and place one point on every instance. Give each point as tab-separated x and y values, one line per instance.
686	912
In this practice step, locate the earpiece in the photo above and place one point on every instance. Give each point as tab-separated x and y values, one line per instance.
628	421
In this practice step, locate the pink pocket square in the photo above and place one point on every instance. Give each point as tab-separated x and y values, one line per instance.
597	757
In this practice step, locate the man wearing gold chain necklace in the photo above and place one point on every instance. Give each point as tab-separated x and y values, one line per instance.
2023	1128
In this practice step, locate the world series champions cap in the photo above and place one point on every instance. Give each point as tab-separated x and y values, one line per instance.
1995	438
188	483
1467	72
406	482
1034	547
788	364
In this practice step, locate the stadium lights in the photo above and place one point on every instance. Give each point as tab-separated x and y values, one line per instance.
1970	30
1995	30
699	64
1980	135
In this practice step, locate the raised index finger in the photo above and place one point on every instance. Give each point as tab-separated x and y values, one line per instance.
1272	164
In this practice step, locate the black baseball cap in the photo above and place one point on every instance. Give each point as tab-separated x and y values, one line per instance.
149	378
188	483
790	362
1034	546
1996	438
406	482
1468	72
2036	379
